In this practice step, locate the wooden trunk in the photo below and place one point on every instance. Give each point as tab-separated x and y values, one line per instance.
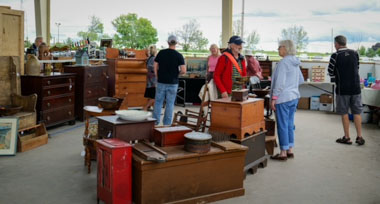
32	137
112	126
170	136
256	150
189	177
55	96
128	76
91	84
238	119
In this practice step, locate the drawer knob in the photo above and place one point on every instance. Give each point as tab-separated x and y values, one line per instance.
104	89
48	104
48	82
89	75
70	100
105	75
125	77
89	92
48	118
69	112
49	92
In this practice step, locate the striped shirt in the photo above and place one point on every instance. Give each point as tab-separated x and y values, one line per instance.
344	66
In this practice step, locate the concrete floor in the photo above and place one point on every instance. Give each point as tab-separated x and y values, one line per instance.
321	172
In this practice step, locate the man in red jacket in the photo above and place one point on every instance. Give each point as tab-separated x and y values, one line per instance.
230	66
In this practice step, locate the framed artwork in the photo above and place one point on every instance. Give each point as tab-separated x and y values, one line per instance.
8	136
106	43
196	65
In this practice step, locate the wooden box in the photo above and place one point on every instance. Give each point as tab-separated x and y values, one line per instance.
112	126
239	95
189	177
325	98
256	150
32	137
304	103
238	119
170	136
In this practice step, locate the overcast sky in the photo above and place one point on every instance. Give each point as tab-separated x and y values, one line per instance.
359	20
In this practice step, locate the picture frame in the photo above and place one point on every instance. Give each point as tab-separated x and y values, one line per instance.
197	65
8	135
106	43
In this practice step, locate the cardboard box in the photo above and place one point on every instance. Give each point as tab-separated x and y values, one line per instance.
304	103
314	103
325	107
32	137
326	98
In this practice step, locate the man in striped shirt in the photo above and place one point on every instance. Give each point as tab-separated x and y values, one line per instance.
344	67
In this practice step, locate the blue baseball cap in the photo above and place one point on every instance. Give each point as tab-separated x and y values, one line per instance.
236	40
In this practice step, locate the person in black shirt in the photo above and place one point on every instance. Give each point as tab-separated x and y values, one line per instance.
168	64
344	67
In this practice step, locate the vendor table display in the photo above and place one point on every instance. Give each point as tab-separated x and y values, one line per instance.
371	97
126	130
55	96
239	119
128	76
91	84
188	177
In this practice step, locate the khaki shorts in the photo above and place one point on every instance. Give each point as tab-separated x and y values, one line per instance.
345	102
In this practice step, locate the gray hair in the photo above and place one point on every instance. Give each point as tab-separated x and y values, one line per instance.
289	47
341	40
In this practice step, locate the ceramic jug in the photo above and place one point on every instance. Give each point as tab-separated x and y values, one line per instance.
32	66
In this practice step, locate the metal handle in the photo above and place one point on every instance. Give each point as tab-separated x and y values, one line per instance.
105	75
49	92
48	104
48	82
70	100
109	134
89	75
48	118
69	112
89	92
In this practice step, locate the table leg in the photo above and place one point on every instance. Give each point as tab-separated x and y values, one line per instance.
88	159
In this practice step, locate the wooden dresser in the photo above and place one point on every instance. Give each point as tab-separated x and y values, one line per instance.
128	75
55	96
91	84
266	66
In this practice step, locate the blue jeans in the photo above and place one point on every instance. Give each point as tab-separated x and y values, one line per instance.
285	123
167	92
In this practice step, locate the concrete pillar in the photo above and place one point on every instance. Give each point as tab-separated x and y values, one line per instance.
42	12
226	21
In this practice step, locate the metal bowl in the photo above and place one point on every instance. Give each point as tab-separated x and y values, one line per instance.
109	103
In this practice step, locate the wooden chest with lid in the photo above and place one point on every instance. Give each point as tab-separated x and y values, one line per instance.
170	136
55	96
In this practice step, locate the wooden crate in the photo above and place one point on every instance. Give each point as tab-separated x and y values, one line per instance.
32	137
239	119
170	136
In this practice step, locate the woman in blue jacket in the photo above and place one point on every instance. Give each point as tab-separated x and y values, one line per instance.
285	94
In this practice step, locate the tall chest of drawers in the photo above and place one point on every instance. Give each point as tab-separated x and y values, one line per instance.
91	84
56	99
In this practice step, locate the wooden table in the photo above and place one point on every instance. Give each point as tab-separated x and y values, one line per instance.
189	177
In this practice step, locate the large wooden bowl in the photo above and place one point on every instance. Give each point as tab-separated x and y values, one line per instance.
9	110
109	103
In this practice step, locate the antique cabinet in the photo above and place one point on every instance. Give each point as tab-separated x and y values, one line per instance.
90	84
114	171
239	119
128	75
266	67
55	96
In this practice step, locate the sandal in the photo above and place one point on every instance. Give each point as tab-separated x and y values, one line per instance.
290	155
360	141
344	140
278	157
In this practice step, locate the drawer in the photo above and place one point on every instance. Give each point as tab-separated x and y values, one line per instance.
58	102
55	91
56	81
95	91
135	64
95	75
136	87
130	78
57	115
91	101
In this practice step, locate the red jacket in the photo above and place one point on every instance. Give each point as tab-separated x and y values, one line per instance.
223	74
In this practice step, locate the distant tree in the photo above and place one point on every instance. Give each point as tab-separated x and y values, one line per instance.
95	30
191	37
134	32
69	41
27	43
297	34
251	38
378	52
362	50
370	52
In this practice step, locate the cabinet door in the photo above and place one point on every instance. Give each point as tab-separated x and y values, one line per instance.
12	34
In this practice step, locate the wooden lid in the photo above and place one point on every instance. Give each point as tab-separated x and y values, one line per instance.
198	136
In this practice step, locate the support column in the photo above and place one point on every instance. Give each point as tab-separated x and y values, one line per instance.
226	21
42	13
